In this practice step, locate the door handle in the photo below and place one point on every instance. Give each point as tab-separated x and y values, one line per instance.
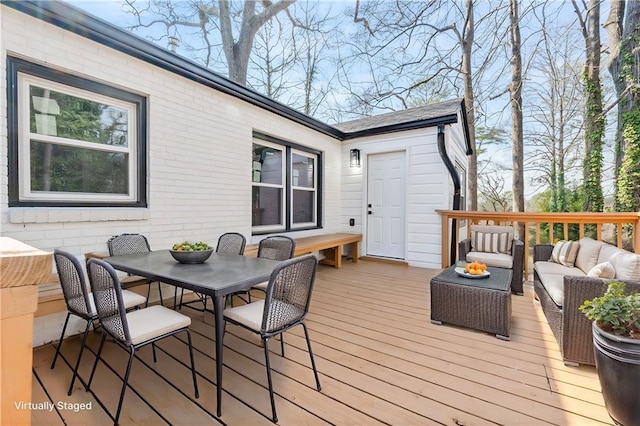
369	212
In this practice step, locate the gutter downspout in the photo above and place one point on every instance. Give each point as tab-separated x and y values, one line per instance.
442	149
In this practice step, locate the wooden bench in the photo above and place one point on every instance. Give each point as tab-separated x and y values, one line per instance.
329	244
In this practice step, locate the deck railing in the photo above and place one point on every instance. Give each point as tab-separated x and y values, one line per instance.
620	229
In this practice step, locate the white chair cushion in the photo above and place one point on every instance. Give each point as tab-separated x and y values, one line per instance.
249	315
565	252
146	324
602	270
129	298
499	260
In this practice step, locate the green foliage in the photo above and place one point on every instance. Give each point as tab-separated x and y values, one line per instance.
628	182
615	311
594	134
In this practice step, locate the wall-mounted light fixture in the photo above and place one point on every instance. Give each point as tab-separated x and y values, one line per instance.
354	155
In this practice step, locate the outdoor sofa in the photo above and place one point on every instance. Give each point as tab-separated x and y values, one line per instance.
561	289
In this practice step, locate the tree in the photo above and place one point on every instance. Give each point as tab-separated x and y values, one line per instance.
515	89
214	23
589	19
623	29
555	111
407	45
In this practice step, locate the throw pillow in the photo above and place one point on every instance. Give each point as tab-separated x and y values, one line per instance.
602	270
565	252
490	242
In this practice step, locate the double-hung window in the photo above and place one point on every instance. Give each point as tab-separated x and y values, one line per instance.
74	142
285	186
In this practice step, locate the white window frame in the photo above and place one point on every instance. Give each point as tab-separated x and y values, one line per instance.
282	186
25	81
304	188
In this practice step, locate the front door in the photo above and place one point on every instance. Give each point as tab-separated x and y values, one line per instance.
386	205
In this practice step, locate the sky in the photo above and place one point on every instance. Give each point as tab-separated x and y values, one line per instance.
113	12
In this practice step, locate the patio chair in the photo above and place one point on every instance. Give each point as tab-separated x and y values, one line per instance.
231	243
79	301
285	306
131	330
277	247
123	244
495	246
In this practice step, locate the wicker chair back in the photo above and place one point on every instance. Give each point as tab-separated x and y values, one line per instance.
277	247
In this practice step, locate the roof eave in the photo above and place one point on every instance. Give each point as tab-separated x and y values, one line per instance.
412	125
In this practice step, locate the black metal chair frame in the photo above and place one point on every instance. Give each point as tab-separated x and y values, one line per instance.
94	264
126	243
278	288
70	287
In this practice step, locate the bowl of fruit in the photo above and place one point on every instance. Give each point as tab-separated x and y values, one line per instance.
473	270
187	252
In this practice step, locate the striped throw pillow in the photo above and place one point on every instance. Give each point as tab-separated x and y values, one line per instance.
490	242
565	252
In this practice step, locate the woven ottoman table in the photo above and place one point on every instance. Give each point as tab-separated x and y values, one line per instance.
479	303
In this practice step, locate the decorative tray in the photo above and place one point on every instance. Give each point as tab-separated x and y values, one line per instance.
462	273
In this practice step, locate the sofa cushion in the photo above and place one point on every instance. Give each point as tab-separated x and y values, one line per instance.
551	276
626	265
602	270
607	251
490	242
565	252
588	254
499	260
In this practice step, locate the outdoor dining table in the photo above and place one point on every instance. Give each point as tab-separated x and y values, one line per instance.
221	275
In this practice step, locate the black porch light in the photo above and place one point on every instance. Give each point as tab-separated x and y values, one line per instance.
354	155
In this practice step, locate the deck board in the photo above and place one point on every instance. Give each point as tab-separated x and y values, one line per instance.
380	360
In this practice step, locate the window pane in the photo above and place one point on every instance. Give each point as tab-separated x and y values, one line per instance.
303	173
58	168
267	206
267	165
303	206
59	114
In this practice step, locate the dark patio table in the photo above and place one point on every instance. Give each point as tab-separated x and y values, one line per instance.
221	275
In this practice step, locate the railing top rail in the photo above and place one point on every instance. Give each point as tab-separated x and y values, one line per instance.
575	217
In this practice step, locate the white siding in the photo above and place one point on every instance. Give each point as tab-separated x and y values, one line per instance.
428	187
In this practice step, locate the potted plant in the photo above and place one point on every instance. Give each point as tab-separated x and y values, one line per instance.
616	339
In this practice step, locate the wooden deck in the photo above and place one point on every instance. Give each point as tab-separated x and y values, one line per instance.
380	360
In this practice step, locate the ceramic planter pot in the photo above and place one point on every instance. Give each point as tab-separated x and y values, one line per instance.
618	365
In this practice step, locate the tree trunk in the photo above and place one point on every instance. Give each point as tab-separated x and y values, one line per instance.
625	70
237	52
516	108
467	45
594	120
614	27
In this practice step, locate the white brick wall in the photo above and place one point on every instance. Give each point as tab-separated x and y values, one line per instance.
199	150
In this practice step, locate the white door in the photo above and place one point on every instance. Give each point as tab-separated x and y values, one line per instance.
386	205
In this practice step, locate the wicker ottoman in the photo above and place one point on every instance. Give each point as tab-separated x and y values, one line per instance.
481	303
